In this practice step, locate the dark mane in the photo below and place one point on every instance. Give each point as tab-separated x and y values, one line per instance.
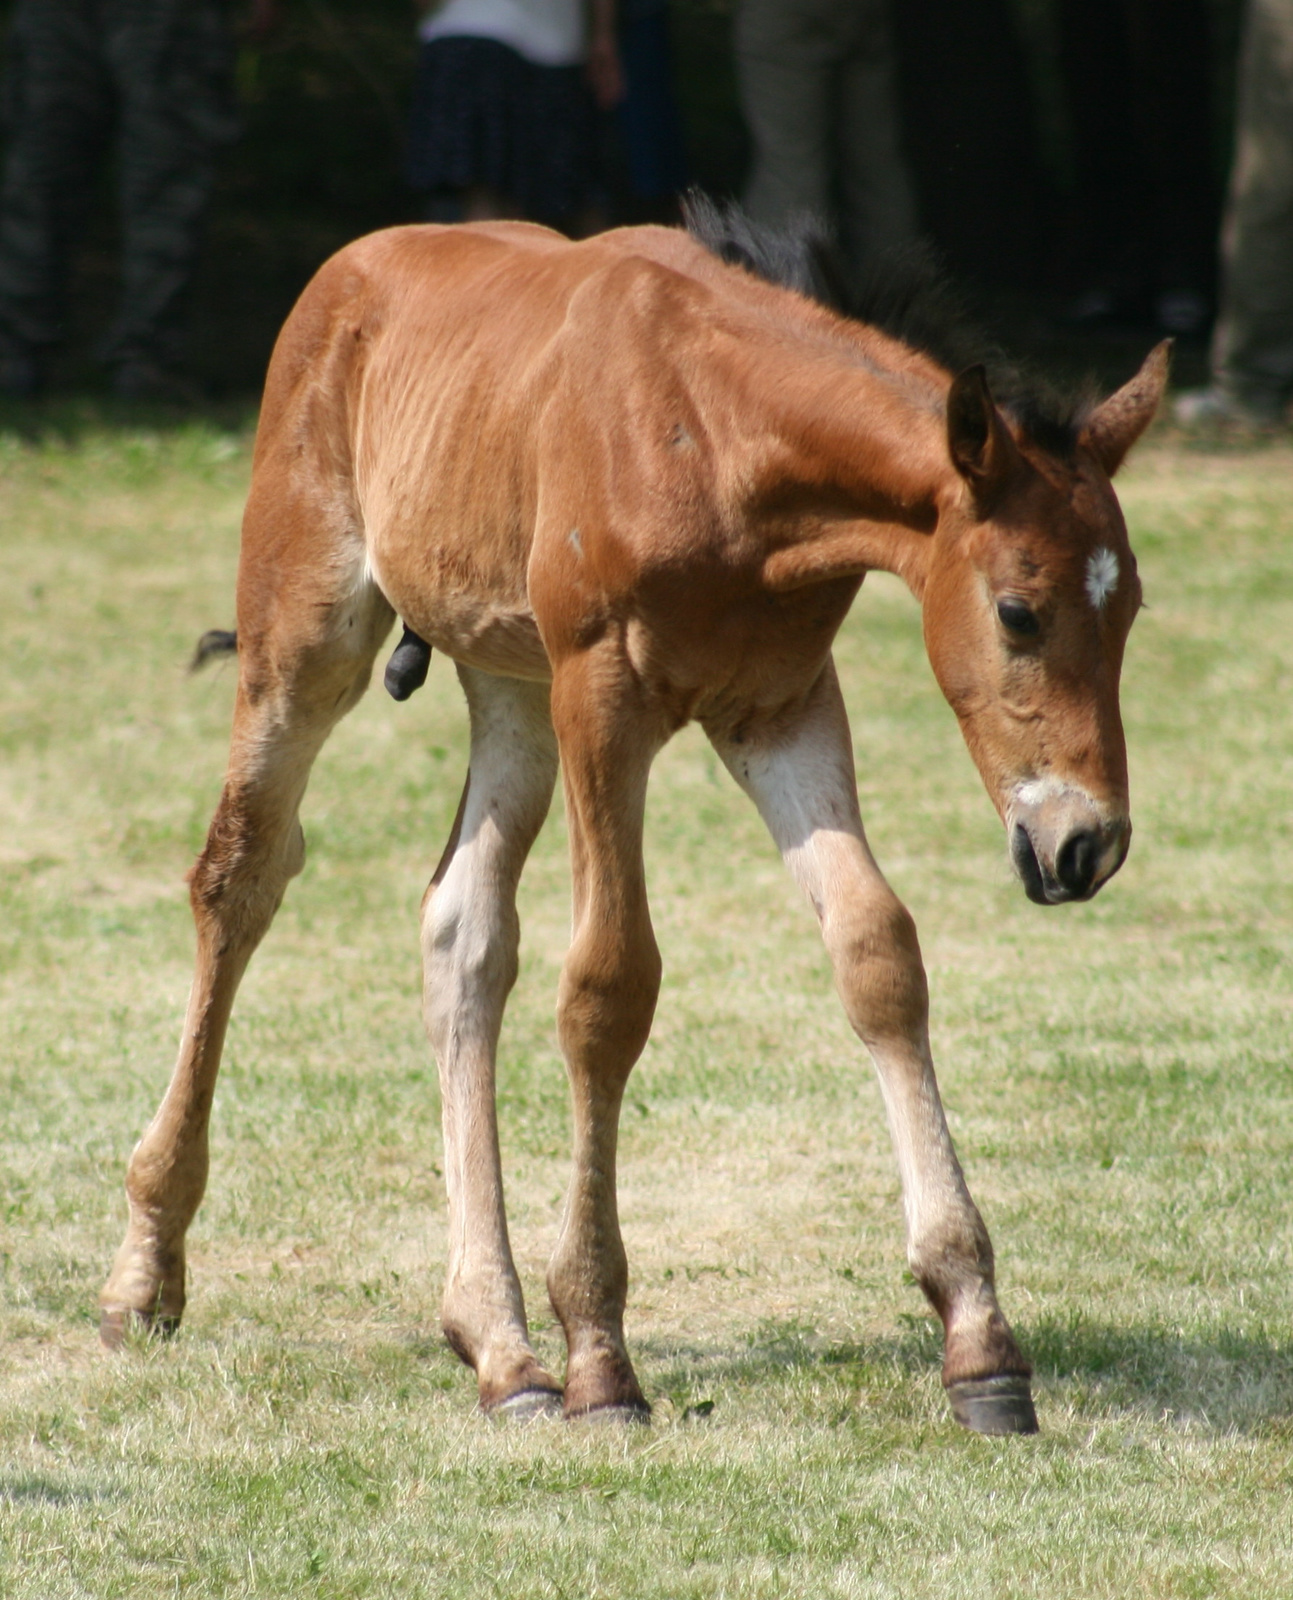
905	295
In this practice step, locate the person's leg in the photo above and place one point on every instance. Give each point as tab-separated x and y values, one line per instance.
171	61
480	203
1177	230
1252	353
1095	65
57	108
552	172
877	203
786	62
648	119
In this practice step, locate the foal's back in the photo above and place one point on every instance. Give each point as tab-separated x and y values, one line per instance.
470	415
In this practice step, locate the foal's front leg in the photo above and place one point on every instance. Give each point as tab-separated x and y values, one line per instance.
607	997
470	936
799	772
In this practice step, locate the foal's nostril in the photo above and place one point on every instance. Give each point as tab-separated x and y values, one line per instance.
1076	863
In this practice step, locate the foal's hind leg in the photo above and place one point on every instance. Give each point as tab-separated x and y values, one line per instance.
304	660
799	772
470	937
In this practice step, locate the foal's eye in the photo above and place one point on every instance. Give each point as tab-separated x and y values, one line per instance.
1017	618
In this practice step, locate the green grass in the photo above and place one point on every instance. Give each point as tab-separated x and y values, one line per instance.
1118	1076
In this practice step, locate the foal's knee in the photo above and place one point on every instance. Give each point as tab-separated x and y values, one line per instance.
606	1004
470	958
878	969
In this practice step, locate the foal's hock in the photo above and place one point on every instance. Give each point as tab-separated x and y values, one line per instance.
625	484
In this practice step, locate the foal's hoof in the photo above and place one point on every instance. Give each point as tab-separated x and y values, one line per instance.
117	1324
407	668
528	1405
613	1416
994	1405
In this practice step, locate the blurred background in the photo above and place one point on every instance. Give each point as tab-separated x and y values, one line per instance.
1036	150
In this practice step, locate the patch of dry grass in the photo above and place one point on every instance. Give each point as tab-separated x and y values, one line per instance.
1118	1077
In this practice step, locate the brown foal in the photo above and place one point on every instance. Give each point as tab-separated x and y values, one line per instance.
624	485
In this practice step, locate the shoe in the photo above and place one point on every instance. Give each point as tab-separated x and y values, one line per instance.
1112	304
1181	311
145	382
1216	410
1091	307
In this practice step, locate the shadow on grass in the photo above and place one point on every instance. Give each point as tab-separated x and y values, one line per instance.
1216	1379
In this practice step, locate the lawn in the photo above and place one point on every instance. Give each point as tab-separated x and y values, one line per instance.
1118	1077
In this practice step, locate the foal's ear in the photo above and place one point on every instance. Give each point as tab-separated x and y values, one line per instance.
1116	423
978	440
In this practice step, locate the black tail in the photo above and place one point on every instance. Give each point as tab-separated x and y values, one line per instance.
214	642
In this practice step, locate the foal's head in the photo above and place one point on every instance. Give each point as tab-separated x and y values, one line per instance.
1030	593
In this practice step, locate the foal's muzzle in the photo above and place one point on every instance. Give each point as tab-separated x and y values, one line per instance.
1062	845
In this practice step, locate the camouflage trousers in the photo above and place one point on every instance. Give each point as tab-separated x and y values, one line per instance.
156	77
817	85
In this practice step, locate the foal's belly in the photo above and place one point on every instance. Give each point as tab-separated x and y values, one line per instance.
493	635
465	596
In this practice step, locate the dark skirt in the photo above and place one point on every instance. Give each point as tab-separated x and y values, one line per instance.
484	115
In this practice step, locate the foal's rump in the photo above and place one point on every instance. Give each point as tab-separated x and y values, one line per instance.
354	504
401	410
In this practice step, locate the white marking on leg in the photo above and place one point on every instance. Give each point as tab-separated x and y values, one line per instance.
470	935
805	790
1101	576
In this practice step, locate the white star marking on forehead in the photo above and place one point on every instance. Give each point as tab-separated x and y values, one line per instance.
1101	576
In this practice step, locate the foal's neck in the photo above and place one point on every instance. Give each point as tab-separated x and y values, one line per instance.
854	466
